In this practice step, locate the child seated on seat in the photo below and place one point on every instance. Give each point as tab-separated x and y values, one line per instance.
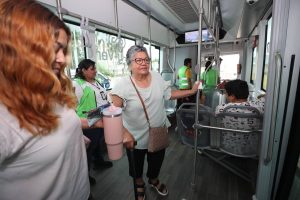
237	93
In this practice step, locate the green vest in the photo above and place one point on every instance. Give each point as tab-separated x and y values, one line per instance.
183	80
210	79
87	101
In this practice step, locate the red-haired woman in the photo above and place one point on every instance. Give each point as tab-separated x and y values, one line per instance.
42	153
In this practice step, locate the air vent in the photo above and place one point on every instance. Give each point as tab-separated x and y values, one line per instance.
183	9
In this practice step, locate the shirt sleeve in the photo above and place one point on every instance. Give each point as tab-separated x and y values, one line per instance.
3	146
9	143
119	90
78	91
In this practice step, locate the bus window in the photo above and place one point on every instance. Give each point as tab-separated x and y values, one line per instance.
267	55
77	48
111	54
228	69
254	65
155	56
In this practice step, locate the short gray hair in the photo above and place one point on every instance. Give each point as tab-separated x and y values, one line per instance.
132	51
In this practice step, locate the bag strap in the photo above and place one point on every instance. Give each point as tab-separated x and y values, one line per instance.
143	104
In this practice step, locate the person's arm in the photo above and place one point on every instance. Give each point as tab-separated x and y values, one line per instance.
176	94
77	90
84	124
128	139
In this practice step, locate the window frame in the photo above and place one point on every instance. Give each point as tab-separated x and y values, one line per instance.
252	70
264	61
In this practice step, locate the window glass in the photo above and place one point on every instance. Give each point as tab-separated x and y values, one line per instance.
254	65
77	47
267	55
228	69
111	55
155	51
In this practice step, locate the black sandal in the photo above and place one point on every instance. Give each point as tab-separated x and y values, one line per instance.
160	188
141	191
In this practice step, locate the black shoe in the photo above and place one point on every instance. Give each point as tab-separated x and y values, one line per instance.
102	165
92	180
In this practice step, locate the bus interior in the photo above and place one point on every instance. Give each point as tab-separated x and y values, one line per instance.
257	41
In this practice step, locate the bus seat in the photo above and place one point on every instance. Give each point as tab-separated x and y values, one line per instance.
185	117
170	105
235	132
214	98
243	118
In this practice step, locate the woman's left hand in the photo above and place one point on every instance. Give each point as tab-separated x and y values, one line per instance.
128	140
98	124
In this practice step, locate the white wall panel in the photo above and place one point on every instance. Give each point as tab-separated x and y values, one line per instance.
132	20
129	19
99	10
159	33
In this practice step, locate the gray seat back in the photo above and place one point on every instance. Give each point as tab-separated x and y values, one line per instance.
170	105
185	116
244	118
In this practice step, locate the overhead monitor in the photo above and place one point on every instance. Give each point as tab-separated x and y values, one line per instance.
192	36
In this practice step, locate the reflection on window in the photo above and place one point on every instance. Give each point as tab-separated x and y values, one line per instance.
267	55
228	69
154	57
111	54
77	47
254	65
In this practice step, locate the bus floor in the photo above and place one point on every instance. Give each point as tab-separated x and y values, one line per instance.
213	182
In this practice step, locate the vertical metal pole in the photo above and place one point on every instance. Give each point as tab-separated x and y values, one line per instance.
209	12
59	13
149	36
116	14
174	57
58	8
217	47
213	21
198	94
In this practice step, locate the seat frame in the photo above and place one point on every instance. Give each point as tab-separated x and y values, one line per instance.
212	150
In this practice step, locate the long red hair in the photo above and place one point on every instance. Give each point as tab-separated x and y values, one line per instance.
29	88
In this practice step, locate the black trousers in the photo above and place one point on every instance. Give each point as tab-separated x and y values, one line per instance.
94	150
154	160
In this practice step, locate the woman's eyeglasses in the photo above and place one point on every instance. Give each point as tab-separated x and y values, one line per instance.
140	61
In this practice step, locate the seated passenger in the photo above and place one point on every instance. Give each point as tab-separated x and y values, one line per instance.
237	93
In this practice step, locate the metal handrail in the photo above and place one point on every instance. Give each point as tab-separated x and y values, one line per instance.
199	126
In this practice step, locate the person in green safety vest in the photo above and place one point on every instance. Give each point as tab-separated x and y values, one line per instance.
184	77
90	95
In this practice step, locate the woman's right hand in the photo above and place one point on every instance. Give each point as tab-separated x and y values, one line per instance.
195	87
128	140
